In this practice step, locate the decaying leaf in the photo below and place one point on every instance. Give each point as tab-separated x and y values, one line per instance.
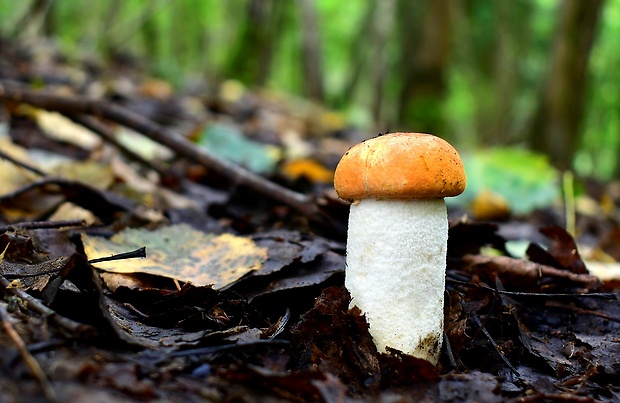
182	253
522	272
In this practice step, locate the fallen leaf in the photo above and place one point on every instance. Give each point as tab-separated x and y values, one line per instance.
309	169
525	273
11	176
232	145
61	128
182	253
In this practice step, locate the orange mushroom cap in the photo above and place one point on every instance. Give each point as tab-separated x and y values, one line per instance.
400	166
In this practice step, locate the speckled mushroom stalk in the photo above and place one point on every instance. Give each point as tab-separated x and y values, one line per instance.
397	236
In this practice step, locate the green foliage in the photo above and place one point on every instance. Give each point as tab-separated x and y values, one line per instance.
600	144
524	179
498	59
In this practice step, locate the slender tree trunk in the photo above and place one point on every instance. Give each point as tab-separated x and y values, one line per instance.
357	55
34	21
557	121
383	23
311	51
253	56
424	57
506	75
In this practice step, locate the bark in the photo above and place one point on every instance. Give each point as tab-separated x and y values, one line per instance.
311	51
557	121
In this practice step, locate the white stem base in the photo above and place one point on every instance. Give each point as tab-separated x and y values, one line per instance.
396	262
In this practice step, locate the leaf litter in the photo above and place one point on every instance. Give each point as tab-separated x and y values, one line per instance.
241	297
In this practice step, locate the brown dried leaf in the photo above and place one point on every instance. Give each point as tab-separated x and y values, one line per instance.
519	272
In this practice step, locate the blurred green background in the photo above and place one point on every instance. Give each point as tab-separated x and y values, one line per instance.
538	74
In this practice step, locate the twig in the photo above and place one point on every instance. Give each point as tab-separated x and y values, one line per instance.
226	347
21	164
74	328
494	344
43	224
141	252
449	352
30	361
234	173
584	311
59	264
601	295
105	133
556	397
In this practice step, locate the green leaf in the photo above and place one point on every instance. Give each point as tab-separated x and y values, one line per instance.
524	178
229	143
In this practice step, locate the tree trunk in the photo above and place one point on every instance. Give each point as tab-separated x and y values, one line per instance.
384	21
557	121
311	51
34	21
252	58
424	48
357	56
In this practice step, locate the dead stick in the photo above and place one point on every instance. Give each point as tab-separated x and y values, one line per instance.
183	147
44	224
21	164
30	361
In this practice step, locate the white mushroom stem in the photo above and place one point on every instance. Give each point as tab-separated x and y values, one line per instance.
396	263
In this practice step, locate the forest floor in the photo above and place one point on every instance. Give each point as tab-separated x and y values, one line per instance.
241	296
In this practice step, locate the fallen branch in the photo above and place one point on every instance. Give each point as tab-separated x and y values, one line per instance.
43	224
71	106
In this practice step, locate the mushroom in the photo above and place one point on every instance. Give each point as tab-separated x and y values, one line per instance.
397	236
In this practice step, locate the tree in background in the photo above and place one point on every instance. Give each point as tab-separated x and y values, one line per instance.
477	72
557	121
425	46
311	51
252	57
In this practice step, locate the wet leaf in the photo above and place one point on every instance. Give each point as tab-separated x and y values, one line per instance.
563	252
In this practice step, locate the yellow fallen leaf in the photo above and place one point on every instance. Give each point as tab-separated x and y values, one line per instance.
180	252
58	127
604	271
13	177
96	174
489	206
309	169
